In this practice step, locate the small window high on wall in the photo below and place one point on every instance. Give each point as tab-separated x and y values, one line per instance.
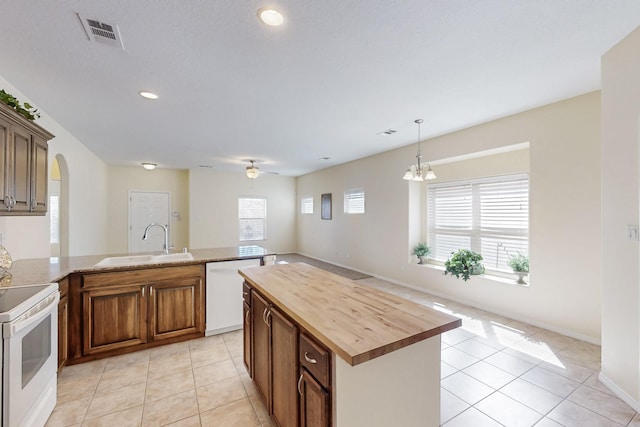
354	201
489	216
252	215
306	205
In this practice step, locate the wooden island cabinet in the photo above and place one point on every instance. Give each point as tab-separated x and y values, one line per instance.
328	352
115	312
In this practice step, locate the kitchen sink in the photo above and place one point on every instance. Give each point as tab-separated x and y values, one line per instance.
119	261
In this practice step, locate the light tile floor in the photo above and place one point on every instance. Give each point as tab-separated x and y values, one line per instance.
495	372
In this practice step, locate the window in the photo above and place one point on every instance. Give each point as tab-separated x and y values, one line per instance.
54	216
306	205
252	213
489	216
354	202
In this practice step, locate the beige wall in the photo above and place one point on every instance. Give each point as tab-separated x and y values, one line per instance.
123	179
214	208
28	237
620	190
564	166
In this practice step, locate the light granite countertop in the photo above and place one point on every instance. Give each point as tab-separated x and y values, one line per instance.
48	270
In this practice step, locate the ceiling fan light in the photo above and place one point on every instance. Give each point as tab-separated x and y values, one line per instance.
252	172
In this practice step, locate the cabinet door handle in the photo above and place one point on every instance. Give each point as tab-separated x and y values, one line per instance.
13	201
34	203
309	359
143	292
246	317
150	291
300	384
244	294
269	317
7	202
264	314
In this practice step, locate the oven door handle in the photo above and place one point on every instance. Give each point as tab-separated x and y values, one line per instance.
34	315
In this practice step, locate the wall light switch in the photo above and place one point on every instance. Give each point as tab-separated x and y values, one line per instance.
632	232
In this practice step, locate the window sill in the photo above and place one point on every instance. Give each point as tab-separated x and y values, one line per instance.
499	279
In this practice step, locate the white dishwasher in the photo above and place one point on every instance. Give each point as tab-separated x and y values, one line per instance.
224	295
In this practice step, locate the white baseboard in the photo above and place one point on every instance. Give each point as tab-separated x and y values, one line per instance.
474	304
619	392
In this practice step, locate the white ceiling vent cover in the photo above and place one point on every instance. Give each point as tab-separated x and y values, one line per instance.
101	32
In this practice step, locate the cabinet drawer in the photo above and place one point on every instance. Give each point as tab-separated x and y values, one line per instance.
315	358
246	293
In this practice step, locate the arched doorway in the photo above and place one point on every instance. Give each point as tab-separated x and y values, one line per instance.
58	207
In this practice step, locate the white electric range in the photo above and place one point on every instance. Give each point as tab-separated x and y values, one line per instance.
29	319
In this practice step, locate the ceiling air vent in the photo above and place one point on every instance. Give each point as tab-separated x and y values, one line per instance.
101	32
387	132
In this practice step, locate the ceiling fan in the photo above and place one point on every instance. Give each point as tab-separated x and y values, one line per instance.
252	171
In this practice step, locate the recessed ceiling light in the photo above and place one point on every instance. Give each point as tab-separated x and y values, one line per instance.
149	166
271	17
148	95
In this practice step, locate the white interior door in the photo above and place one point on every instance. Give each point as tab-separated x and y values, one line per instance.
146	208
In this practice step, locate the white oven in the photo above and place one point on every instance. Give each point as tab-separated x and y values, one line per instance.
29	318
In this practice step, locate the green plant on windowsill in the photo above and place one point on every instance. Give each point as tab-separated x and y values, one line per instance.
421	250
464	263
25	110
520	265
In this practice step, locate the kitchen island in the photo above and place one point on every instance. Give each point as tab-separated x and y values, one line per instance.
325	351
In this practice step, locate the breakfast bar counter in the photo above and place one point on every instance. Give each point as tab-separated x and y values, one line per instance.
385	350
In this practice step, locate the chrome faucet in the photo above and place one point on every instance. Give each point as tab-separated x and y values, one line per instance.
165	248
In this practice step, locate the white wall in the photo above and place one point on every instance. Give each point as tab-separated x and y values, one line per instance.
213	208
122	179
564	157
620	201
28	237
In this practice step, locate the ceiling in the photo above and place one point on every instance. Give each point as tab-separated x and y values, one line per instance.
324	84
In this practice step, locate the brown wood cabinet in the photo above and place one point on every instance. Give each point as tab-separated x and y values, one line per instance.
174	307
63	324
314	402
116	312
314	383
246	329
260	346
274	359
114	317
23	156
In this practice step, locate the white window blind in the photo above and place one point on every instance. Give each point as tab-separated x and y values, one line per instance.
354	202
489	216
306	205
252	213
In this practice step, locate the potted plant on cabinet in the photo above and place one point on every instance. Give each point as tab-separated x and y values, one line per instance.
26	110
421	250
464	263
520	265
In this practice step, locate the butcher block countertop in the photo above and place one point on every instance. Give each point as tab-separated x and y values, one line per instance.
358	323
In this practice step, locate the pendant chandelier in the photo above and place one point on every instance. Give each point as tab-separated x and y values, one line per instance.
419	171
